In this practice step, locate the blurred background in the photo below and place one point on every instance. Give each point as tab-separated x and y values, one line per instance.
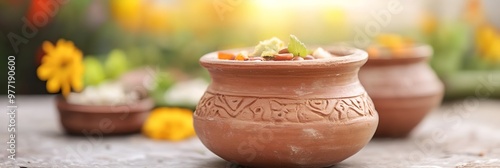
169	36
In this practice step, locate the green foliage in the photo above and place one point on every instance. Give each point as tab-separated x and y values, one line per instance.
94	72
450	43
163	82
116	64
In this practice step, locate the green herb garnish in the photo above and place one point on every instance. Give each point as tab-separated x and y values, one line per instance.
296	47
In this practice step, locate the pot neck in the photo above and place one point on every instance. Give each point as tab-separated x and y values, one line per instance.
291	79
291	84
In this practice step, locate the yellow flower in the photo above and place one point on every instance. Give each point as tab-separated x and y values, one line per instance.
428	24
157	18
128	13
484	37
138	15
488	42
61	67
169	123
494	51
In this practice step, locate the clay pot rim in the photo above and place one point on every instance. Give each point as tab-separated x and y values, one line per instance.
342	56
417	51
142	105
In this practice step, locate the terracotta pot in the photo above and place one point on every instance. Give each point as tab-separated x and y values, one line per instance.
311	113
403	89
103	120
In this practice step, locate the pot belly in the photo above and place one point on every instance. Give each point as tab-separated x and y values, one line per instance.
399	116
402	94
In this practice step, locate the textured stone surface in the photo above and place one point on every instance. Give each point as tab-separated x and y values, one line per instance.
458	134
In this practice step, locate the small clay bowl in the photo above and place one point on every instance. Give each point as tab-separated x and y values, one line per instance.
404	89
103	120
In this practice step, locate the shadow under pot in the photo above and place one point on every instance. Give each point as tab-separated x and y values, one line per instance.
103	120
309	113
403	88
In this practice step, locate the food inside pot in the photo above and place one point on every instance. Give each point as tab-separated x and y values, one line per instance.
390	46
275	50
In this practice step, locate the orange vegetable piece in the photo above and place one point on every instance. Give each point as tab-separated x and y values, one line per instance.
225	56
373	51
399	52
242	56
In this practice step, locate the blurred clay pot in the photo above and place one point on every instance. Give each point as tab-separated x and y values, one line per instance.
103	120
404	89
310	113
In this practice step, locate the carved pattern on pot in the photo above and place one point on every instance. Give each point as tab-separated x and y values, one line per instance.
267	109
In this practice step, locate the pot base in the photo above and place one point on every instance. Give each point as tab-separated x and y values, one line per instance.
319	144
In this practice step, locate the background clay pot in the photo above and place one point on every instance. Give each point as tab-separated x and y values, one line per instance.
105	120
404	89
311	113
